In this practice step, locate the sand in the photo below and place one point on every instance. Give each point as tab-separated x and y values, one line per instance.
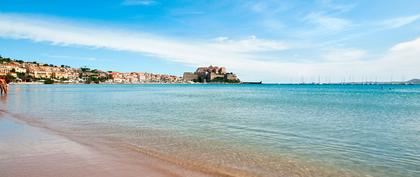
28	151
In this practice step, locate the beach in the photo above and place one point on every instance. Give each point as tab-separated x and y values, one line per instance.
185	88
210	130
28	151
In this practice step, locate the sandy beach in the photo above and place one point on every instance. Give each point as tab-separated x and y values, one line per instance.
249	130
27	151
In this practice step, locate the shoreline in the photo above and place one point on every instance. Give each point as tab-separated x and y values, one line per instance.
42	152
132	159
214	154
127	154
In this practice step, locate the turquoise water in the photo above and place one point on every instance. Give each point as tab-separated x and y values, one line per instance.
268	130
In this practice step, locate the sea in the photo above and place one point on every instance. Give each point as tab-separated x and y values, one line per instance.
240	129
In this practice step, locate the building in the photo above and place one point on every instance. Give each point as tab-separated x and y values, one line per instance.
210	74
115	75
60	75
213	75
39	72
142	77
3	70
231	77
42	74
20	70
189	76
13	67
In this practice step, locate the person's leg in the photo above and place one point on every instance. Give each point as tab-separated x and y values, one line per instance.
3	86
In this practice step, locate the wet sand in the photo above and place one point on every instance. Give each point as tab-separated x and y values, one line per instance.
27	151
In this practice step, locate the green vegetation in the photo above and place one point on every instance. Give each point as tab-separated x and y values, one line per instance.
218	79
233	81
85	69
10	78
224	80
95	79
200	79
63	79
49	81
5	60
24	77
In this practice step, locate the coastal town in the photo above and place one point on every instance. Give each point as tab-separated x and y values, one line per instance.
19	71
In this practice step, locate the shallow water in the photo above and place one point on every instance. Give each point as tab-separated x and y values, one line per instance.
267	130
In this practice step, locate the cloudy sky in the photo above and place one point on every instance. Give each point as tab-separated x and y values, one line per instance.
268	40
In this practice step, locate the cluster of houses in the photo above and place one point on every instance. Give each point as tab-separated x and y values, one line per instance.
142	77
37	71
32	71
23	70
20	71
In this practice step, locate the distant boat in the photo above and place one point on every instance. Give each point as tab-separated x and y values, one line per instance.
260	82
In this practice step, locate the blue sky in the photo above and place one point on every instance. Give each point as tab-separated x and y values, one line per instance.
273	41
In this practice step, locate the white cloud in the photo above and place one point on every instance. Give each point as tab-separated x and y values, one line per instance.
327	22
66	33
344	55
409	46
400	21
70	57
402	59
241	56
250	44
138	2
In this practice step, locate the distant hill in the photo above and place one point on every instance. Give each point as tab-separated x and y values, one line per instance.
414	81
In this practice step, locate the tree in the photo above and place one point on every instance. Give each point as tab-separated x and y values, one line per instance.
10	78
5	60
224	80
85	69
49	81
24	77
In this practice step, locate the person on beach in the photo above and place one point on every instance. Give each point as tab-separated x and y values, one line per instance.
3	86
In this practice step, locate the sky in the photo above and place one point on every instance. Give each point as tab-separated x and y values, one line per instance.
279	41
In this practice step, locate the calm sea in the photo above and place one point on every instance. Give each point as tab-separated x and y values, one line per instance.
267	130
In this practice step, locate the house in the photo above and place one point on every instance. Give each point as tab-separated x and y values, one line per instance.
3	70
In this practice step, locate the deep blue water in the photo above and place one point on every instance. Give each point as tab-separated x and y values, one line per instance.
361	129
